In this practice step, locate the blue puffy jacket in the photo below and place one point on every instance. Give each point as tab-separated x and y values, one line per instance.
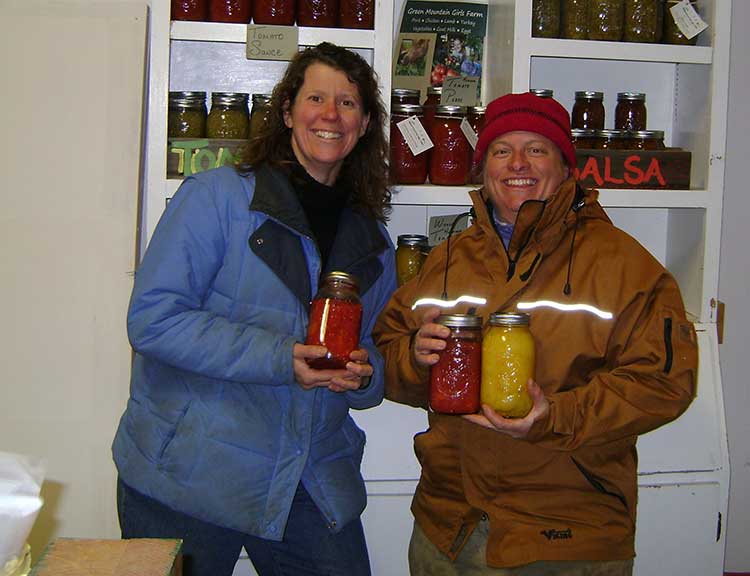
216	426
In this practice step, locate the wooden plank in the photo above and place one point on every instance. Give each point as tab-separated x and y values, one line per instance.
651	169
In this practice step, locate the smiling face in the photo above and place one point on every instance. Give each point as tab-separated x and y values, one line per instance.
327	120
521	166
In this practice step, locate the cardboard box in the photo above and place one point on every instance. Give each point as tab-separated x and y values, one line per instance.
139	557
651	169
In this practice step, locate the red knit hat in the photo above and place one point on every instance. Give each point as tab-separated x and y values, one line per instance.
529	113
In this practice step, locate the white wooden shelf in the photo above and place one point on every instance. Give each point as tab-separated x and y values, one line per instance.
630	51
237	33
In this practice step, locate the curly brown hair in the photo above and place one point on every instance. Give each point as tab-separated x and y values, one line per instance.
365	169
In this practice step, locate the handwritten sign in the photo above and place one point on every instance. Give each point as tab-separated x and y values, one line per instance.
459	91
271	42
440	226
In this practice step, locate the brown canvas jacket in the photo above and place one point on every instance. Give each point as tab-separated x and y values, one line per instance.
569	490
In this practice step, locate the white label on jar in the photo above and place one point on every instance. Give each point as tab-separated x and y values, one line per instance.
468	131
415	135
687	19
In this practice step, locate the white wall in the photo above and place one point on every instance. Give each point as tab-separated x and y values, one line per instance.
734	291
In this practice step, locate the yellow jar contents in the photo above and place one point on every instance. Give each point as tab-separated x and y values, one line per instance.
508	356
410	255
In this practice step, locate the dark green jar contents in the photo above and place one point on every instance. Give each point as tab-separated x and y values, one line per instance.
606	19
574	19
229	116
643	20
545	18
186	115
259	114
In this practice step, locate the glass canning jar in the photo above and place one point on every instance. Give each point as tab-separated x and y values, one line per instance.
335	320
648	140
405	167
196	10
613	139
404	96
410	255
317	13
643	20
574	19
671	33
259	113
186	116
630	112
588	110
508	359
455	380
450	158
606	19
358	14
275	12
584	138
475	116
229	116
545	18
236	11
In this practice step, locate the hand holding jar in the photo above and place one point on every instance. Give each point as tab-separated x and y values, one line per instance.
354	376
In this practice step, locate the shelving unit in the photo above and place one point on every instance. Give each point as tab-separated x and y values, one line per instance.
683	466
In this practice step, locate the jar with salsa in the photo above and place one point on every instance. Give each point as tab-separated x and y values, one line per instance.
450	158
317	13
588	110
430	104
455	380
613	139
508	360
647	140
630	112
196	10
358	14
410	255
229	116
542	92
186	115
406	168
584	138
335	320
275	12
234	11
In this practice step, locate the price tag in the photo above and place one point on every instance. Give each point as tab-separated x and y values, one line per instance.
468	131
415	135
440	226
459	91
687	19
271	42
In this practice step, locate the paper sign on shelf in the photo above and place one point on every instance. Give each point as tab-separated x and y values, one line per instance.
687	19
468	131
440	226
271	42
415	135
459	91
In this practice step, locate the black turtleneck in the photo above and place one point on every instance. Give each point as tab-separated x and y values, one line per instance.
322	206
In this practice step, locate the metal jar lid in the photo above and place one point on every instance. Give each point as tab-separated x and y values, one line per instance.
542	92
583	132
476	110
261	99
406	109
608	133
434	90
229	98
648	134
337	276
635	96
412	240
404	93
459	320
450	111
509	319
187	99
590	94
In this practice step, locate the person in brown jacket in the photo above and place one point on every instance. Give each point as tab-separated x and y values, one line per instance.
554	492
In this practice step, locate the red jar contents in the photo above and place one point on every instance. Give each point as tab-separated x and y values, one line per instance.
196	10
455	381
317	13
335	320
430	104
357	14
476	119
236	11
406	168
276	12
450	158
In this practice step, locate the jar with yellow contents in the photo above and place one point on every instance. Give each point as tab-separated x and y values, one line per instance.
410	254
508	358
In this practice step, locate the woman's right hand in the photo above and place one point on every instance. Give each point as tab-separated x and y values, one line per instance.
429	339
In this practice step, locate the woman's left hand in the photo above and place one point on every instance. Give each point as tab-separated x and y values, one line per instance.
514	427
357	374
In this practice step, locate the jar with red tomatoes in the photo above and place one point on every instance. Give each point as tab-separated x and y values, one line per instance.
358	14
335	320
234	11
406	168
450	158
475	116
275	12
432	102
196	10
317	13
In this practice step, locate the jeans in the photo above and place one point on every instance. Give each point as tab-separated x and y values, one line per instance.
309	548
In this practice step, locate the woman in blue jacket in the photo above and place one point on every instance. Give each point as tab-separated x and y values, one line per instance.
230	439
